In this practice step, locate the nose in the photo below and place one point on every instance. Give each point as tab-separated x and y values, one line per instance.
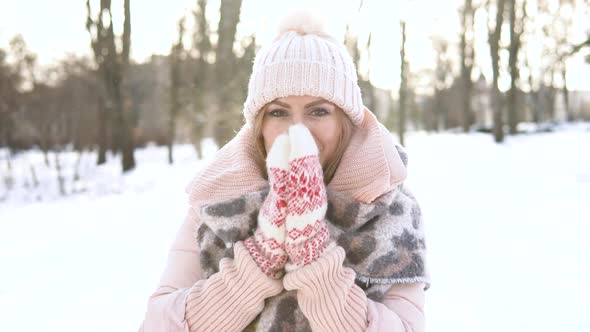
297	119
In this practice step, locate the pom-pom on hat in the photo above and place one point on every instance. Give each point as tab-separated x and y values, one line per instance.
304	60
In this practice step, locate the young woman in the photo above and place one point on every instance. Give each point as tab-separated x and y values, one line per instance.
302	221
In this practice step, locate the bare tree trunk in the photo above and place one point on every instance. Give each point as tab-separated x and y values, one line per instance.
76	176
175	82
442	75
171	134
550	97
351	41
198	148
8	176
442	115
369	87
97	40
44	143
402	86
60	177
566	99
535	112
34	177
467	60
202	44
225	60
113	69
515	44
512	61
45	150
494	40
102	133
125	103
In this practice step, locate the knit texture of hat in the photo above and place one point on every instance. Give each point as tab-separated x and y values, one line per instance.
304	61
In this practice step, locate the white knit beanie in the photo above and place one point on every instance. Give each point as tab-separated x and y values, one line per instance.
304	60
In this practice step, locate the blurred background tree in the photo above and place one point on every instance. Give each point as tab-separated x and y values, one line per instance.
113	69
108	104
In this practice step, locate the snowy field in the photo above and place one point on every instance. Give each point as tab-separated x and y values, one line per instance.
507	232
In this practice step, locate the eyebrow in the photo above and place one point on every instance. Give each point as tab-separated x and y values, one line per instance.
285	105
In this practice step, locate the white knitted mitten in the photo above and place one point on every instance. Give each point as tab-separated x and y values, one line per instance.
267	245
307	202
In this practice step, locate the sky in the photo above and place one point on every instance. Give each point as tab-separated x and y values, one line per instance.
55	28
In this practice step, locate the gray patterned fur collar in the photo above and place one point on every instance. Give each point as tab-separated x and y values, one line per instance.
383	240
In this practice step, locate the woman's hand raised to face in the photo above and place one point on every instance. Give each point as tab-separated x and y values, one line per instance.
291	220
267	246
306	232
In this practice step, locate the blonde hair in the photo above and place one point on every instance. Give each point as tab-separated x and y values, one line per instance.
331	165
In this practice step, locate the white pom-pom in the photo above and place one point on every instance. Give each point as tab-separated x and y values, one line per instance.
304	22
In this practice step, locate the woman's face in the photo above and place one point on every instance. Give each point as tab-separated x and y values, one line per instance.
322	118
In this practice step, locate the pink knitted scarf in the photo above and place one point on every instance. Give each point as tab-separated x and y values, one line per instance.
370	167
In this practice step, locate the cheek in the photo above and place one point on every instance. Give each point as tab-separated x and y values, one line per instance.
327	135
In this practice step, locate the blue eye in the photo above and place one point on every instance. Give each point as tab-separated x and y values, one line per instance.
320	112
278	113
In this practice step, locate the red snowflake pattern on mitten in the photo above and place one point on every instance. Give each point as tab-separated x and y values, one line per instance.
267	245
306	186
307	234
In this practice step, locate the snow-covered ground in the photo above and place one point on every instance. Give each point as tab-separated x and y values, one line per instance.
507	229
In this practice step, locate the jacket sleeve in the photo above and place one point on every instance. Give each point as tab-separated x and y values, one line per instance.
228	300
331	301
